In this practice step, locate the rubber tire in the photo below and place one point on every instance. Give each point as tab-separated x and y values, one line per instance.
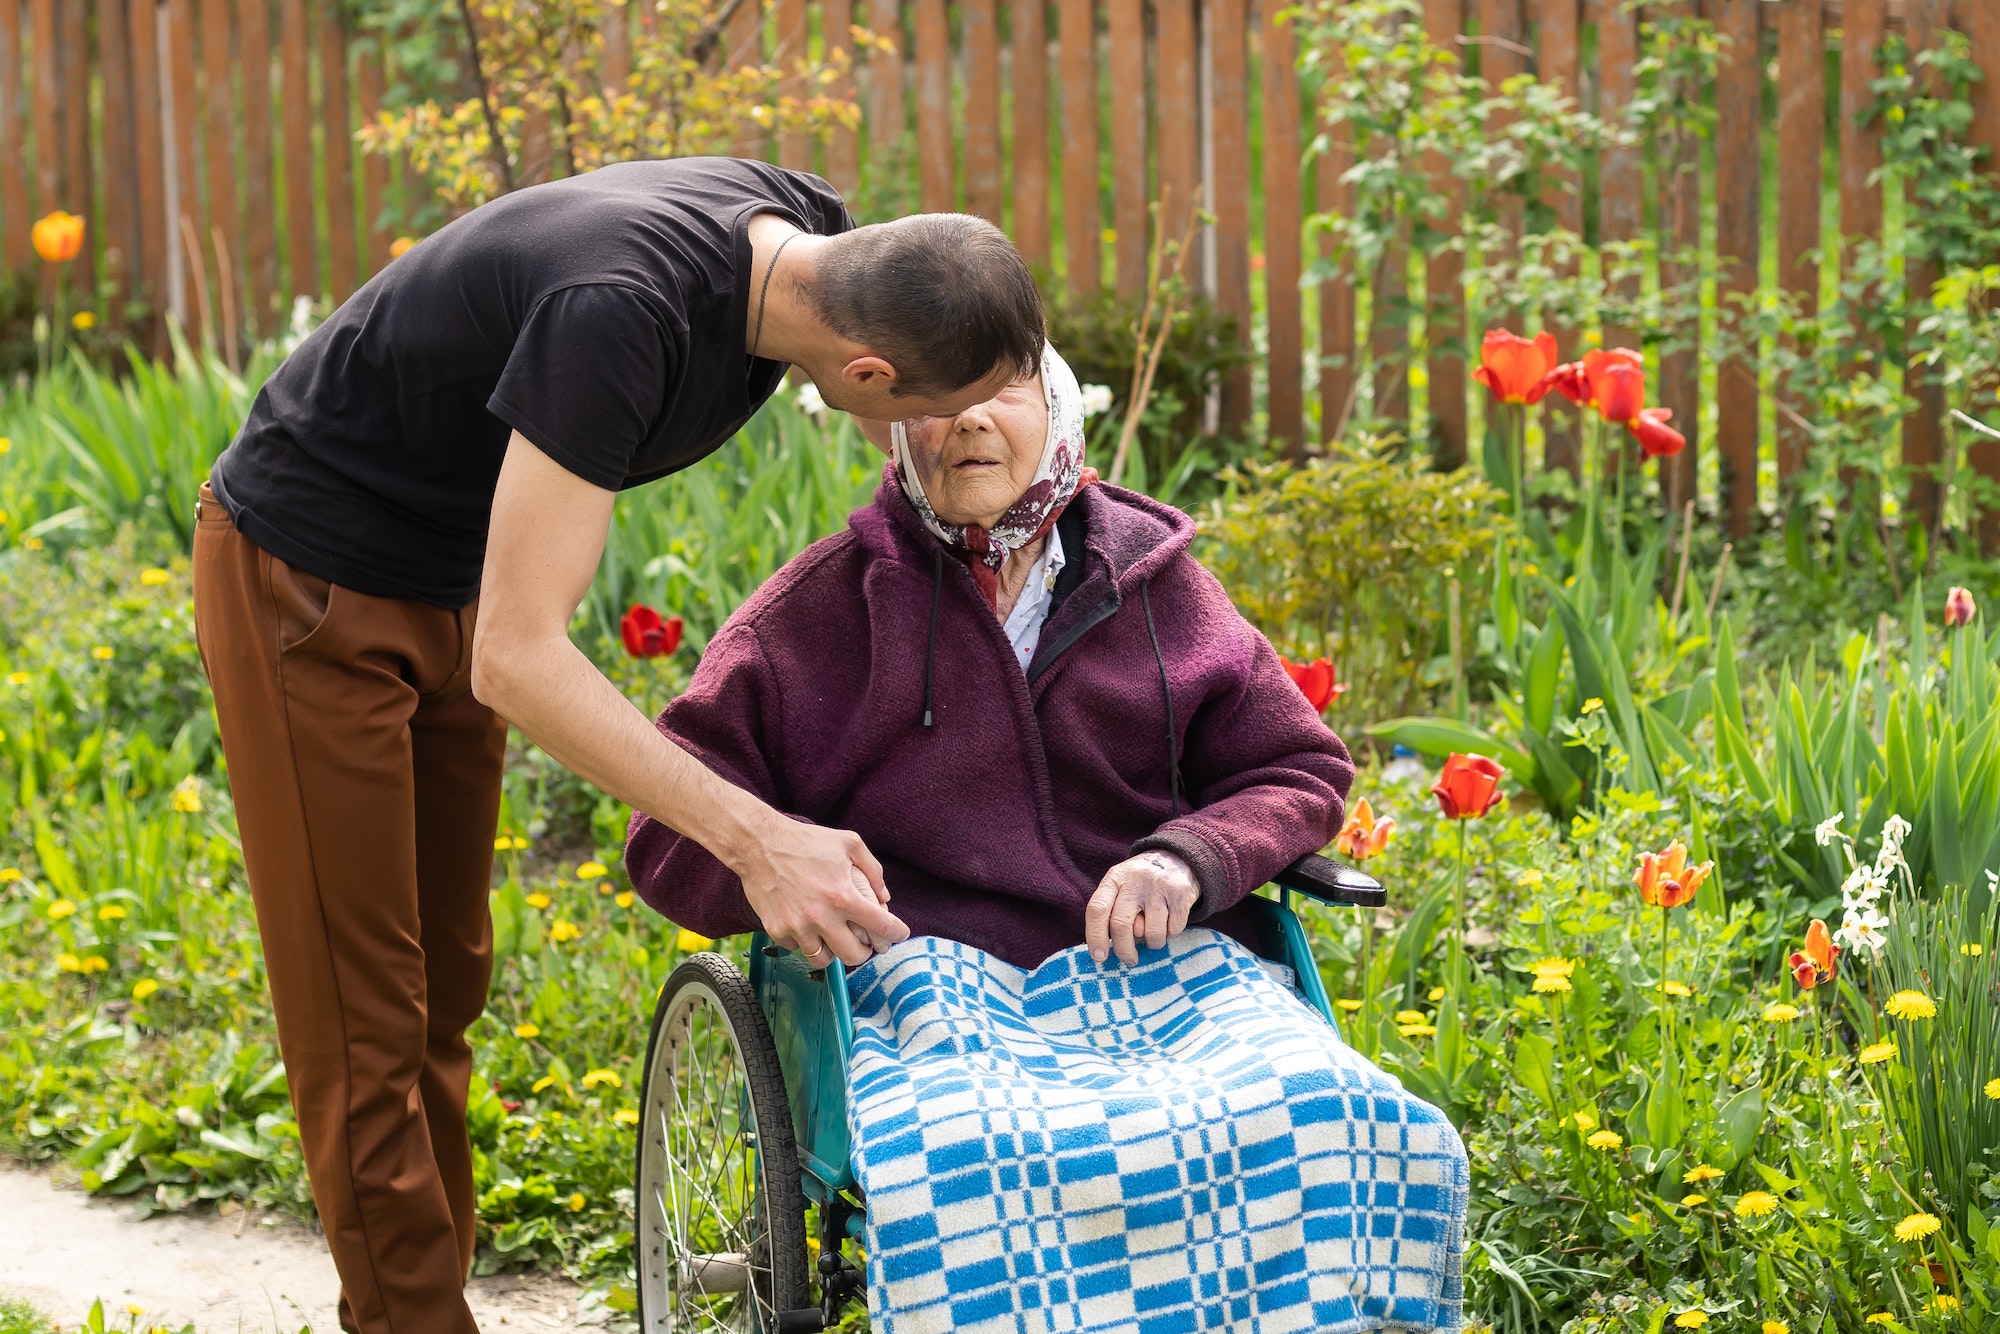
781	1198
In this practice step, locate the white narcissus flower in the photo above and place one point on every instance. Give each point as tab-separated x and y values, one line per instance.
1864	885
1829	829
809	400
1863	928
1096	399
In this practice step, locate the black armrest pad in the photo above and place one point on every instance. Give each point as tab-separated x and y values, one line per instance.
1327	880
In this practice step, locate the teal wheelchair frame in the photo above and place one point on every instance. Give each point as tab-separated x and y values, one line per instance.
791	1034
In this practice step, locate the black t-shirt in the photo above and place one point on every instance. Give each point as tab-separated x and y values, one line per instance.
601	316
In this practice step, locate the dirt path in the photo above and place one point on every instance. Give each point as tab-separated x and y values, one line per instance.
61	1250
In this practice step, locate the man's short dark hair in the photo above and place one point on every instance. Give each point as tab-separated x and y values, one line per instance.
943	297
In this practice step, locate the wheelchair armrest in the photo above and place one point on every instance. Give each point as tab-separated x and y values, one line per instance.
1327	880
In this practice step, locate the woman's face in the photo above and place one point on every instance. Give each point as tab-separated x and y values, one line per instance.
977	464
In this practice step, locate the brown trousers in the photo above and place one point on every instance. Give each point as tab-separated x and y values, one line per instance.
367	786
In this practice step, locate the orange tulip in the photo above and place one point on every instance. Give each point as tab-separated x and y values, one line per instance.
58	238
1819	961
1600	362
1516	369
1468	787
1665	880
1657	438
401	246
1363	835
1959	608
1316	681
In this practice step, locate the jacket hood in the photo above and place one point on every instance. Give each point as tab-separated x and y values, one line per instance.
1128	537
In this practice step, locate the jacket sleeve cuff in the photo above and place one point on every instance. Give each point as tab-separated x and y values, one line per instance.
1209	873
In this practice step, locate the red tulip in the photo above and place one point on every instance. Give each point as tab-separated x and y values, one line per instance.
1818	962
1621	393
1516	369
1316	681
1363	835
647	634
1657	438
1568	380
1468	787
1598	364
1959	608
1665	880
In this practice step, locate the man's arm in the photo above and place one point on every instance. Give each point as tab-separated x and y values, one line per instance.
546	538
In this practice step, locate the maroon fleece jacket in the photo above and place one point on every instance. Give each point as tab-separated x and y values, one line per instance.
995	823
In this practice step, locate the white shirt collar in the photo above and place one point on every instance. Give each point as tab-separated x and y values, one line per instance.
1031	609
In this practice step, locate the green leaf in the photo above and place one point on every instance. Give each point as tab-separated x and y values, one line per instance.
1590	678
1543	677
1535	1064
1946	846
1739	1121
1438	737
1666	1111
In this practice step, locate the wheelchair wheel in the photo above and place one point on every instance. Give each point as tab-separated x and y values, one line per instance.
720	1232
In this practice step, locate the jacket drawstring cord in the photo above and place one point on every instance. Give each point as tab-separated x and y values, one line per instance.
930	654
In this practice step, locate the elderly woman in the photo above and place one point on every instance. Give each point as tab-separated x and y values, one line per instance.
1054	730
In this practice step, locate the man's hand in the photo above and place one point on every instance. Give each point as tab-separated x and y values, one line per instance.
815	891
542	549
1149	895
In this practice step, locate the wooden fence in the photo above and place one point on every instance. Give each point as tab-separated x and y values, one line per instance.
210	142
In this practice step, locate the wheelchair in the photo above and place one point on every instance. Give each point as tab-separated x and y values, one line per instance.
746	1195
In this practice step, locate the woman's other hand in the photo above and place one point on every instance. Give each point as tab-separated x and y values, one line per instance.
1148	896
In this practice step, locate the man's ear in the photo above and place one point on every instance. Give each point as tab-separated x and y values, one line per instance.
869	372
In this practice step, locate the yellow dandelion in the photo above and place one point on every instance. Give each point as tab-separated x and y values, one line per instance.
1776	1327
1553	967
1911	1005
1944	1303
1880	1318
577	1203
135	1311
1605	1140
544	1083
5	444
81	321
69	963
592	871
604	890
527	1030
1975	950
1412	1017
562	932
18	678
1993	1089
538	900
111	912
1690	1201
1529	878
9	874
1676	988
597	1077
625	1116
1592	705
103	653
187	796
32	543
94	964
60	909
1916	1227
154	577
1348	1003
143	988
1699	1173
1780	1013
1418	1030
624	900
1436	994
691	942
1552	984
1585	1121
1690	1320
1877	1052
1756	1203
509	843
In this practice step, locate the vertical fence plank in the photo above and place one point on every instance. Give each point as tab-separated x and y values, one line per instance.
1230	189
1981	22
1176	105
218	104
1860	145
1082	208
1500	59
794	146
843	146
1282	219
617	65
743	36
1739	201
979	44
121	243
1560	50
144	26
14	218
1336	295
1801	141
1031	131
375	167
1619	189
301	232
260	235
45	94
937	169
1444	271
1924	23
338	132
1126	25
79	181
1679	205
885	80
184	189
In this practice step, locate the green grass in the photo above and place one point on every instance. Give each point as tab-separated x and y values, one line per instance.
21	1318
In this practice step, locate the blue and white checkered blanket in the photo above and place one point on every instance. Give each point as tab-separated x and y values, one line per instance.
1180	1146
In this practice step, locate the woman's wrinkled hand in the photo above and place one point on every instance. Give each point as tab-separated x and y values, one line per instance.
1144	897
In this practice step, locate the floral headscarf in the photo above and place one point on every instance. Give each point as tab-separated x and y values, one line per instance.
1059	477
